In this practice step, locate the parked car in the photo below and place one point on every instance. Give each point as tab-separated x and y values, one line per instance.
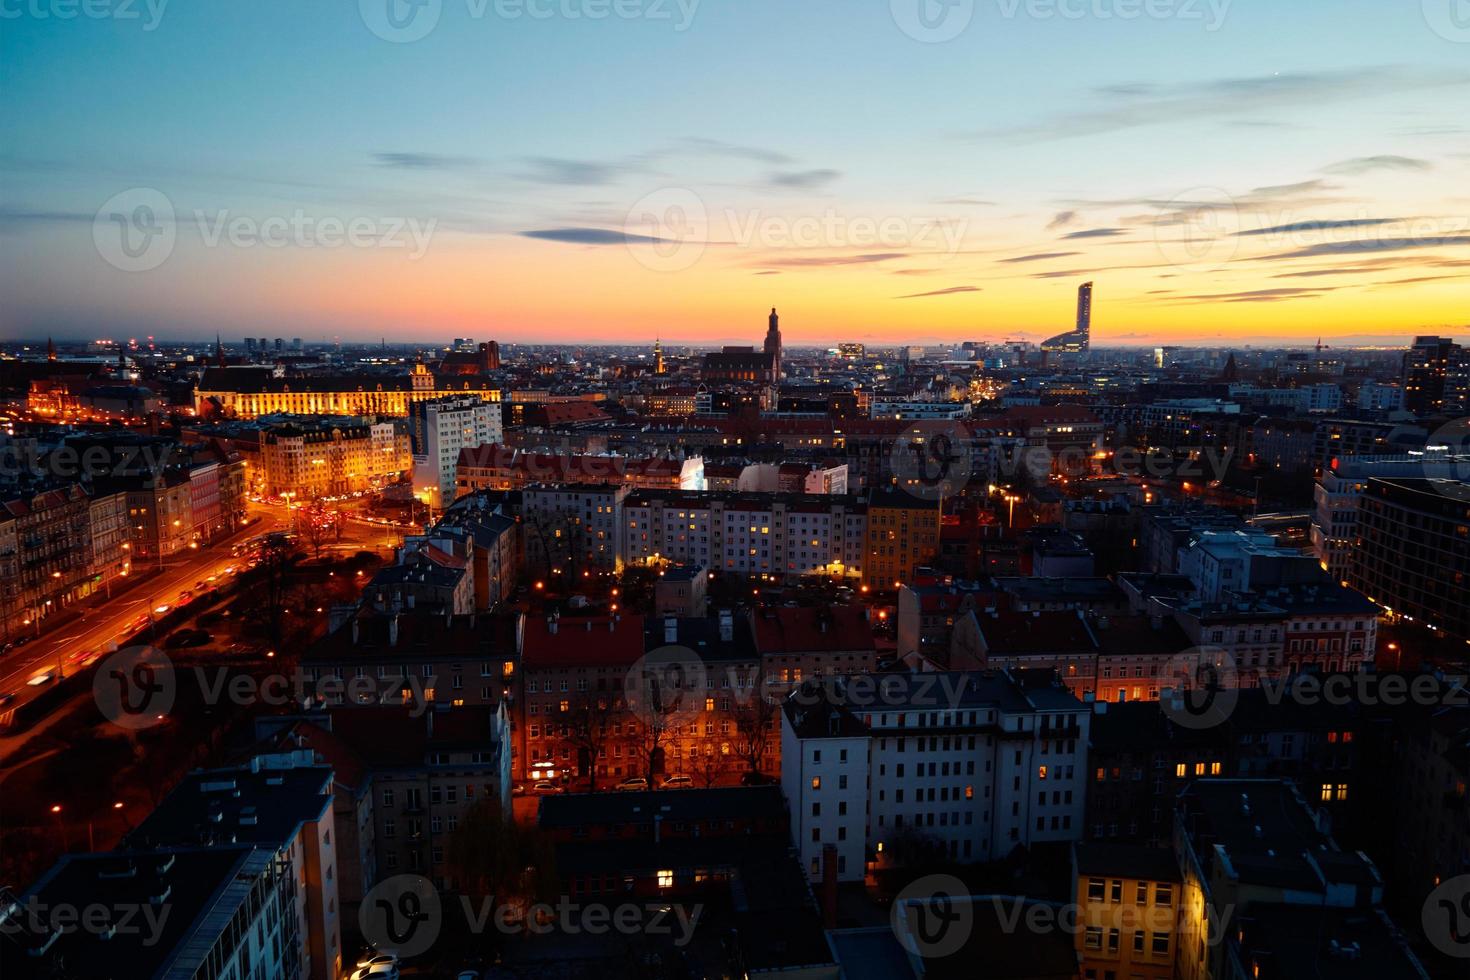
188	638
375	958
546	788
678	782
383	971
40	679
634	784
756	779
518	789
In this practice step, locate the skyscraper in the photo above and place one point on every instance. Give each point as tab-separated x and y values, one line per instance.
1078	340
1435	375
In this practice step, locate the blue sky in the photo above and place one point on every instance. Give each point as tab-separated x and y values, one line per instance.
525	140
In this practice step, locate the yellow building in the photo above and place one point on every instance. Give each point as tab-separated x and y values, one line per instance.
331	459
1128	901
902	535
250	392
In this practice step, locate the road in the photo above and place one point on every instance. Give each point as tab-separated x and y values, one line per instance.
111	620
108	621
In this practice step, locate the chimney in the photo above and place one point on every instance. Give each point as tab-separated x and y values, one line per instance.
727	625
551	625
671	630
355	631
658	823
393	630
829	886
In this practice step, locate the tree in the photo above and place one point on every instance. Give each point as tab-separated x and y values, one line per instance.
277	561
664	691
495	859
587	730
319	525
755	714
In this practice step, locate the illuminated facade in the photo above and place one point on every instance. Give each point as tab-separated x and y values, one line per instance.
247	393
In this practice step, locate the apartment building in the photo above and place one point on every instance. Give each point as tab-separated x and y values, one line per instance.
968	764
438	431
501	467
1413	551
1128	910
285	808
329	458
573	528
754	534
902	536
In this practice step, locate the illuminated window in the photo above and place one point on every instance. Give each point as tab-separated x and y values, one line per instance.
1179	771
816	782
1214	769
1041	773
1326	792
666	879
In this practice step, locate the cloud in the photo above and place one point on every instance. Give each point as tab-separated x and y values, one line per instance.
1364	165
968	202
1038	257
1371	245
421	161
556	170
804	180
1061	220
1260	295
769	272
824	261
1094	233
1137	104
942	292
594	236
713	147
1298	226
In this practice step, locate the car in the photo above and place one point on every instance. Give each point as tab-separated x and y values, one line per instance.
374	958
678	782
518	789
756	779
6	697
382	971
634	784
546	788
39	679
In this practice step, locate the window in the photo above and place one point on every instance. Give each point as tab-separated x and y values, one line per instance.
1160	943
1094	937
1164	895
1096	889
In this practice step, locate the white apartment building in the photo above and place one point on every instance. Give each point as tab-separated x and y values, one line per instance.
788	534
971	763
438	430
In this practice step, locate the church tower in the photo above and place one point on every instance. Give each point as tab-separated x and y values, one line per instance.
773	346
658	356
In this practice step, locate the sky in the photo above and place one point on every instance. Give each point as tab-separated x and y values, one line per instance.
885	171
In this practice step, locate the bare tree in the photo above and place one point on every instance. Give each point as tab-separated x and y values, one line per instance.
588	723
755	714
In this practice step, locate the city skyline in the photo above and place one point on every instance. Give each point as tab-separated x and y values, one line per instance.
1222	180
